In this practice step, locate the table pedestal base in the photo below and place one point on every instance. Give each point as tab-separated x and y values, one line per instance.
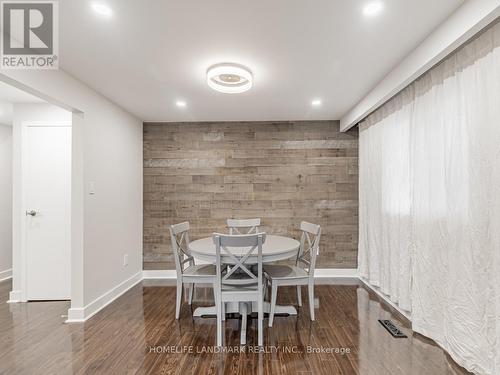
242	308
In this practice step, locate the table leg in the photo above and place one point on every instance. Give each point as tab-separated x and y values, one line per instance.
201	311
280	309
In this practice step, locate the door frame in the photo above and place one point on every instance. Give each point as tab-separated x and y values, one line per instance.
23	232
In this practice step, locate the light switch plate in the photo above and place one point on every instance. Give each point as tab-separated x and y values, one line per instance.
91	188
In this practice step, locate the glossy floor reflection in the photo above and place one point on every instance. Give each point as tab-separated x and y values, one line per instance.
137	334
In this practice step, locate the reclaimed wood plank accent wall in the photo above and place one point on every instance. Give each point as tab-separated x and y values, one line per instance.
282	172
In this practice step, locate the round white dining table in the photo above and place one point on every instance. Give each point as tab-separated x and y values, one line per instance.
274	248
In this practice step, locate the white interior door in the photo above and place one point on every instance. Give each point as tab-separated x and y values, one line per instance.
47	202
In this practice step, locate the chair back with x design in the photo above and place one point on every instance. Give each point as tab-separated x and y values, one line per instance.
243	226
309	247
179	235
238	250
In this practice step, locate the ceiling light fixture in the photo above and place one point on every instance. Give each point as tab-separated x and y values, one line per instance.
180	103
316	102
229	78
102	9
373	8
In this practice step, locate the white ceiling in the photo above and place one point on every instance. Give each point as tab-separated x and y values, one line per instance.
150	54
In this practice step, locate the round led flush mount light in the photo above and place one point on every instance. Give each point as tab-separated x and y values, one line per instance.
229	78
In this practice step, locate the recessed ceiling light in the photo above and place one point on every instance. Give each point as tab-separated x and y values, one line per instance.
102	9
180	103
229	78
373	8
316	102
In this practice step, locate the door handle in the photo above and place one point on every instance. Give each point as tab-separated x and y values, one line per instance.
31	213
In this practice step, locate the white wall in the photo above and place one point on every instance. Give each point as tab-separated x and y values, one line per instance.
107	150
113	216
5	200
6	113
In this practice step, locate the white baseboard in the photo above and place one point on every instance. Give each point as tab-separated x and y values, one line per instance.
386	299
320	273
6	275
15	296
159	274
78	315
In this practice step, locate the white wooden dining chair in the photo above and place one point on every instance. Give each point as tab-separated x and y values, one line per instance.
240	283
187	271
243	226
300	274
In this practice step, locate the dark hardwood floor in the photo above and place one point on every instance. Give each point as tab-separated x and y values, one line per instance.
137	334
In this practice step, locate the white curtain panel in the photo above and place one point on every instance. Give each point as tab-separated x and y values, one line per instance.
430	203
385	242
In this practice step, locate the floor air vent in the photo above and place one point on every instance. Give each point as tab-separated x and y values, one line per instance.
393	330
